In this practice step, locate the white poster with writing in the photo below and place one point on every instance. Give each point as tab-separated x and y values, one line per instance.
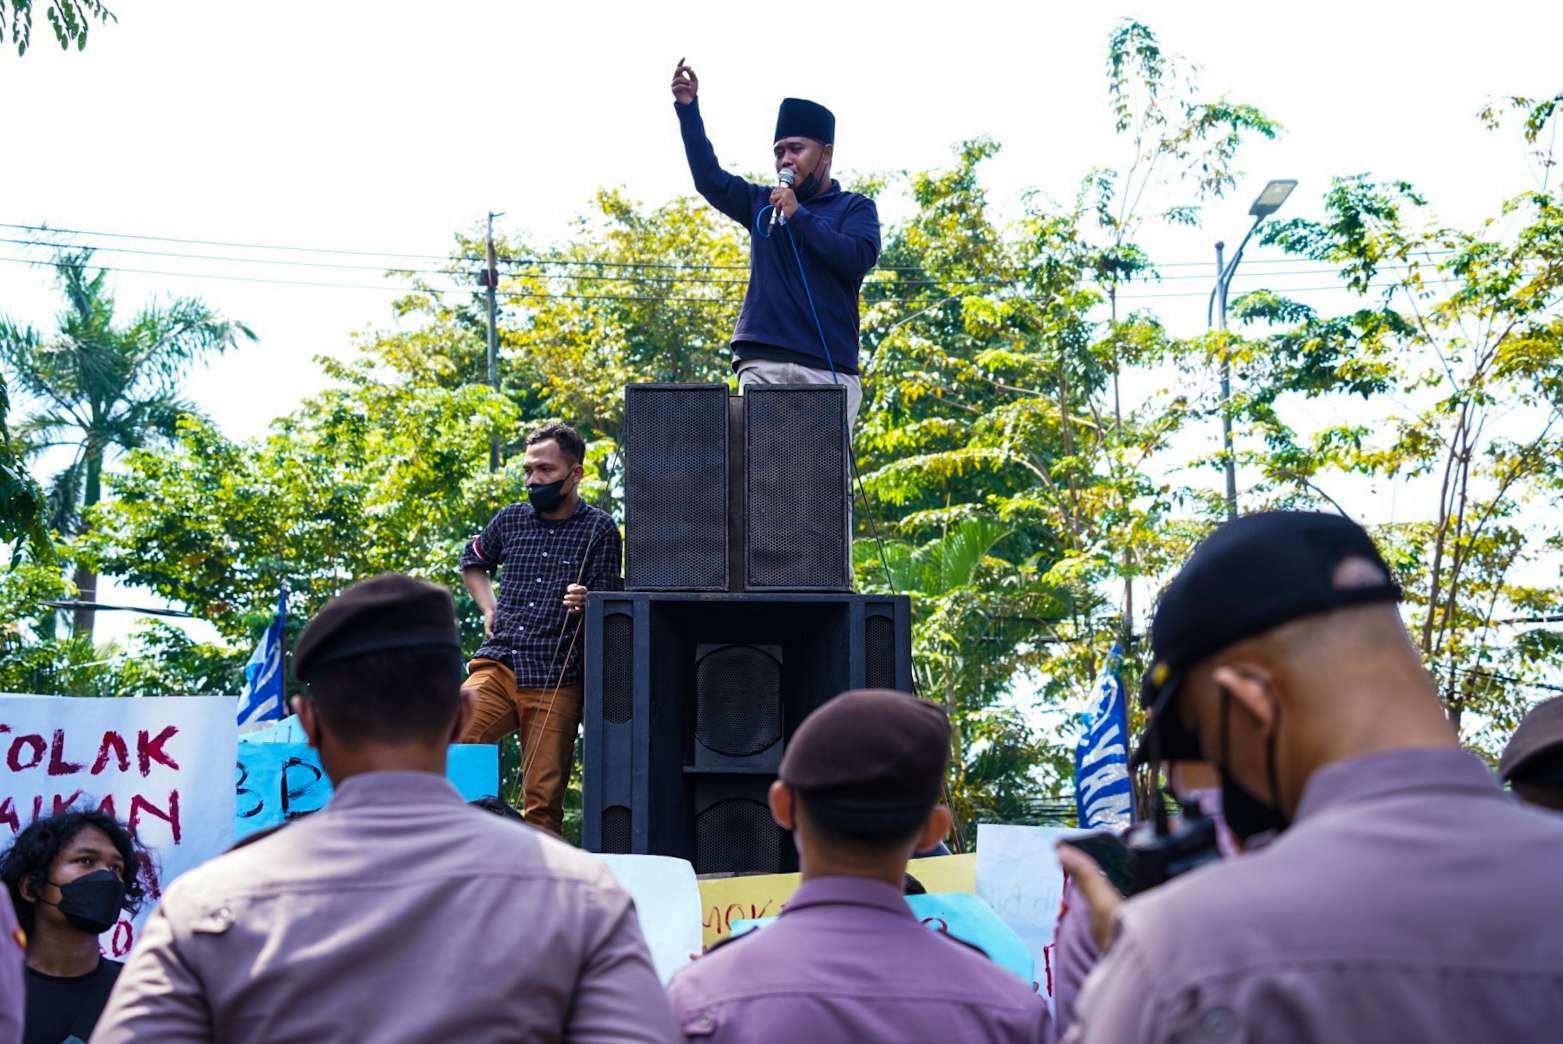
1019	875
163	766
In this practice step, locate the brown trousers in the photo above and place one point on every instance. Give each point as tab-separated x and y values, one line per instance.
547	720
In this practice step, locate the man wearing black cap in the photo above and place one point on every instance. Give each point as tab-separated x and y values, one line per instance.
799	322
1401	896
1532	763
847	960
398	912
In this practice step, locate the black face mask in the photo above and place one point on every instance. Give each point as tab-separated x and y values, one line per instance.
92	902
547	497
1245	814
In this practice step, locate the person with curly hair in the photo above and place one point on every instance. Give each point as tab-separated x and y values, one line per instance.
70	876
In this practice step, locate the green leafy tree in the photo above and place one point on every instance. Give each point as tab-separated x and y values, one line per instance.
1455	354
101	389
70	20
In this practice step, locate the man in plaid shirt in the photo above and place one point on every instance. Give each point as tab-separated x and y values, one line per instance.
526	675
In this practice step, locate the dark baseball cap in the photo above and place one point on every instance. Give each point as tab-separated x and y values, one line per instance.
871	746
1251	575
1540	734
389	612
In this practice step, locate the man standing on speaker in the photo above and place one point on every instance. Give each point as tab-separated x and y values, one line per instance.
806	260
527	673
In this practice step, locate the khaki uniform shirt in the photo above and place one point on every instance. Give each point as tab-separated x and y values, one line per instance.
848	961
398	913
1411	900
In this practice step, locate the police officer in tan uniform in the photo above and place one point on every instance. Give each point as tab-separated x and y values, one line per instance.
397	913
1402	895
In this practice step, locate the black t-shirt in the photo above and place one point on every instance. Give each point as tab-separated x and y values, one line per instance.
60	1008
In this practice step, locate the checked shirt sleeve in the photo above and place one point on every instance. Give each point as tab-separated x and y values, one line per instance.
603	570
486	551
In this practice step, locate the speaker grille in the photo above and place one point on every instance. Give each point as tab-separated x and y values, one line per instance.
738	700
737	835
795	443
675	487
879	652
616	829
618	679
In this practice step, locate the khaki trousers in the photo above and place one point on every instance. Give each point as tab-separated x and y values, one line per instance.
764	371
547	720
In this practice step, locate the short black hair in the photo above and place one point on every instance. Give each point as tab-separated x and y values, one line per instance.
570	442
498	806
35	849
862	824
396	696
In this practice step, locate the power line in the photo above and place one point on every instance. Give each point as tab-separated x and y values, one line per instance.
728	300
526	261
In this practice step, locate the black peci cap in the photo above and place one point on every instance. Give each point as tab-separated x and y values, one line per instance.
1251	575
388	612
801	118
871	746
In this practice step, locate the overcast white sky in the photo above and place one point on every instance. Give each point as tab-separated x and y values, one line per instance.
386	126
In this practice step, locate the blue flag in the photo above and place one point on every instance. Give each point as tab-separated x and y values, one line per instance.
262	699
1102	795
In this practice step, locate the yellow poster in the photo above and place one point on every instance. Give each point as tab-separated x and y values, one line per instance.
724	900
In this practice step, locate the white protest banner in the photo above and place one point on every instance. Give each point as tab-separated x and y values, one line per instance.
164	766
1019	875
667	900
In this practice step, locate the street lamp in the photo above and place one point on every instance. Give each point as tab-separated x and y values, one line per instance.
1267	203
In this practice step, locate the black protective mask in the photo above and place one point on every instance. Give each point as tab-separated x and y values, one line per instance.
1245	814
92	902
546	497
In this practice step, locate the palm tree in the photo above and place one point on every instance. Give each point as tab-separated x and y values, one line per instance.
102	389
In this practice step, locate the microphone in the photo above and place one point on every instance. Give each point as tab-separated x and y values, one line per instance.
783	180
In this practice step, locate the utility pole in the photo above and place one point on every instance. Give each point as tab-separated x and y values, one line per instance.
491	282
1228	456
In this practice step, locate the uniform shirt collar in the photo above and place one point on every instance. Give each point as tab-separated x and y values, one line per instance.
1393	772
368	789
848	891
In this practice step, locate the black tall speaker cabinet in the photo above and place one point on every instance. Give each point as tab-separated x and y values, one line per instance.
737	493
690	700
739	620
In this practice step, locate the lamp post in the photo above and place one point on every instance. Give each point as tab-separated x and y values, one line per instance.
1267	203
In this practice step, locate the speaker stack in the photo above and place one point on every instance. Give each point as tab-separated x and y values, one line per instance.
738	620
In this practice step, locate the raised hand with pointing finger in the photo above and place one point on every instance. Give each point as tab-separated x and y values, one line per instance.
685	84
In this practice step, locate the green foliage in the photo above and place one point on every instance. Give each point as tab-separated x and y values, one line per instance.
21	498
70	20
99	389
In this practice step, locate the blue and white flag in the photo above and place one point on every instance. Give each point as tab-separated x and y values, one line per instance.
262	699
1102	795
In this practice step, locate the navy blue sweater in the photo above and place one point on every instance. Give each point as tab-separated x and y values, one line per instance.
837	234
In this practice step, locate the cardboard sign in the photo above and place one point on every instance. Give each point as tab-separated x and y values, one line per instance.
667	901
724	900
276	781
1019	875
961	915
161	765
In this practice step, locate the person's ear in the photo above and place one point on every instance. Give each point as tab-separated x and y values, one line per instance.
24	888
1251	689
307	720
783	806
936	829
464	712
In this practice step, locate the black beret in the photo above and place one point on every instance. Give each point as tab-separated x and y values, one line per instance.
800	118
388	612
1251	575
871	745
1540	733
